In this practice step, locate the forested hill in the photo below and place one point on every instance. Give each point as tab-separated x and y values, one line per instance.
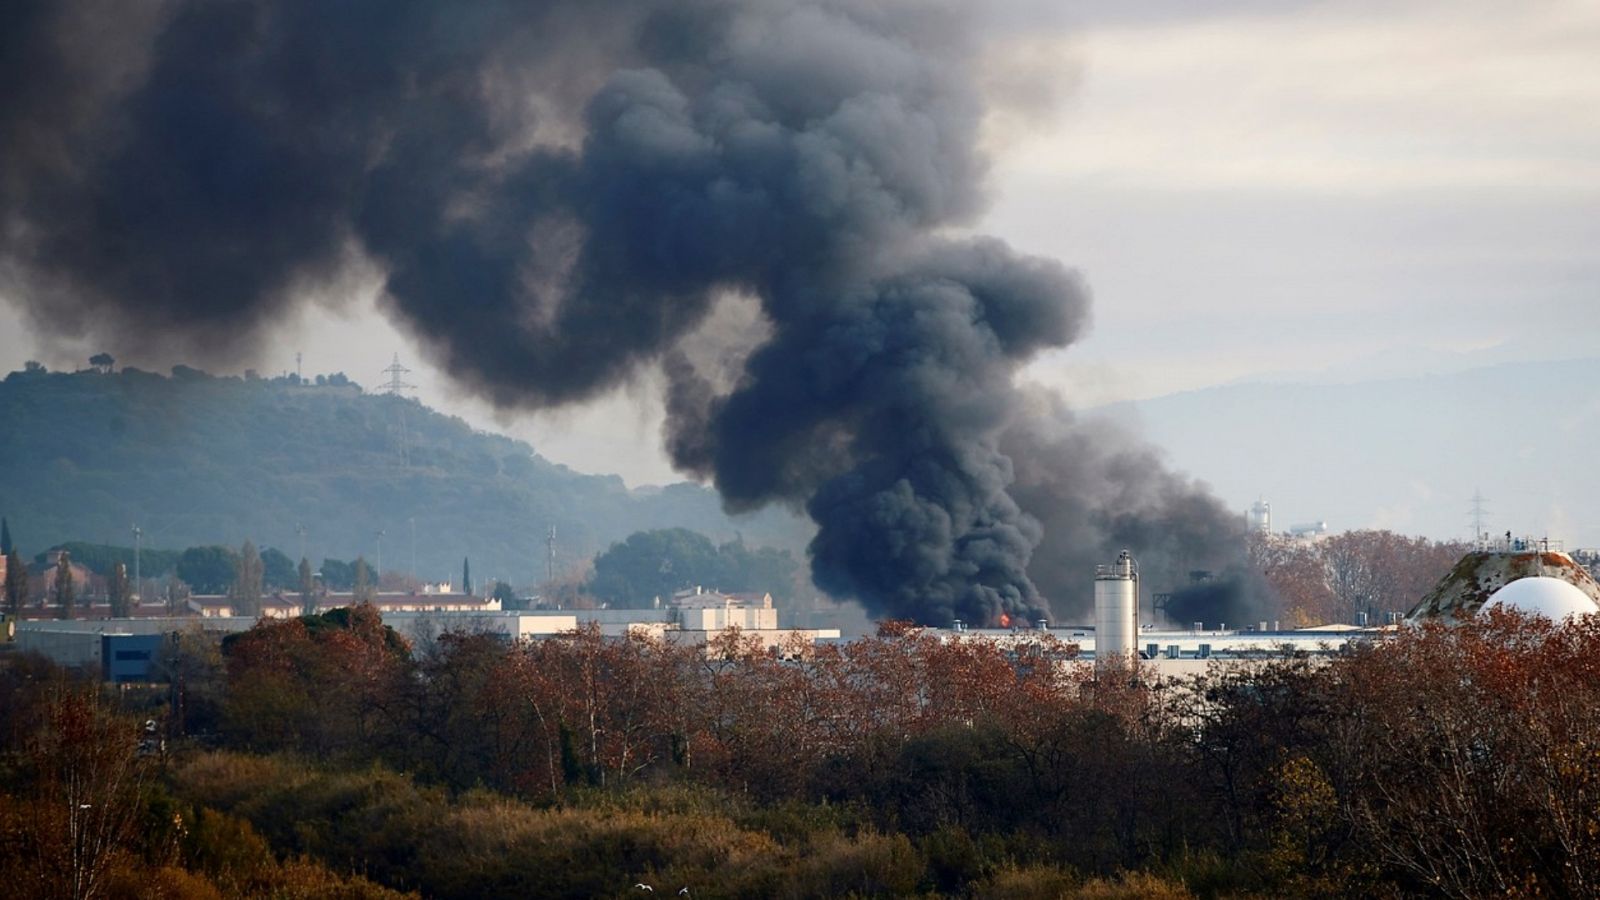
196	459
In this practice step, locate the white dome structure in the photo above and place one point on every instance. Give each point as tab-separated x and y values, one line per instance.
1541	595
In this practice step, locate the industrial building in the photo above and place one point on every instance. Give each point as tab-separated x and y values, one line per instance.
124	649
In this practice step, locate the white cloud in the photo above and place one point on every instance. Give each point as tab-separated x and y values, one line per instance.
1337	97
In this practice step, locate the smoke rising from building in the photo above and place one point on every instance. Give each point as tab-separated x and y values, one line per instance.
557	195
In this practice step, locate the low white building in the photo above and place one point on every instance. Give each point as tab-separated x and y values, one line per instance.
288	606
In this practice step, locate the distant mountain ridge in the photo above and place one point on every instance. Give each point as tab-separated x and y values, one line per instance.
1402	453
199	459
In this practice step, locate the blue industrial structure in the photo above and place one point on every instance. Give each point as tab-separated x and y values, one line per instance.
128	657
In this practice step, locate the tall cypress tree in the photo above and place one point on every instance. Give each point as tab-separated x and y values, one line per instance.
466	576
308	587
66	595
117	592
247	582
16	583
5	537
362	591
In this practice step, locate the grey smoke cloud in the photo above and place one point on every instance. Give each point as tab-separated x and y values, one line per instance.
557	194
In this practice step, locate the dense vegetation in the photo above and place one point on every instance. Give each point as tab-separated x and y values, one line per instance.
1439	762
197	460
652	564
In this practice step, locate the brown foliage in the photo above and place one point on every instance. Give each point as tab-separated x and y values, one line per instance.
80	813
327	685
1470	755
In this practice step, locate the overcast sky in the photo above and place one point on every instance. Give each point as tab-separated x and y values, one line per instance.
1253	190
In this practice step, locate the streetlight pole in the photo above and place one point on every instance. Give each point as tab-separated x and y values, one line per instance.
138	544
378	575
301	530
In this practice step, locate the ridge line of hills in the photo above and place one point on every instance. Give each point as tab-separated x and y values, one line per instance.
197	459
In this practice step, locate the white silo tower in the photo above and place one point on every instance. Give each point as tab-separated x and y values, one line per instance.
1258	518
1116	610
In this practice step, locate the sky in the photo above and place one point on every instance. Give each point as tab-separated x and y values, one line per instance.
1253	191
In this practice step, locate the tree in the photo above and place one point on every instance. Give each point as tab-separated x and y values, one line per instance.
177	594
466	576
207	570
653	564
308	587
16	583
5	537
86	801
338	575
246	592
65	595
323	684
277	569
505	594
118	593
362	590
102	362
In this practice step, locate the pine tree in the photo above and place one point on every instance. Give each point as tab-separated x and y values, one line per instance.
308	587
246	594
466	576
5	537
65	593
117	593
16	583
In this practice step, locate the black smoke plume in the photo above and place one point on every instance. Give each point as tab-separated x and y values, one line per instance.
557	195
1237	597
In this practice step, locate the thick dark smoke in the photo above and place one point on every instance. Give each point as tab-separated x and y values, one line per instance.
1097	489
1239	597
557	194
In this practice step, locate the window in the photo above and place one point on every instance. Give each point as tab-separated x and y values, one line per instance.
133	655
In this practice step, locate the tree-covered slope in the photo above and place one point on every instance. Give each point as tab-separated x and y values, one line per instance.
196	459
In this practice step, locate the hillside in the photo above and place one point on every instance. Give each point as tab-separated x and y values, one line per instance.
197	459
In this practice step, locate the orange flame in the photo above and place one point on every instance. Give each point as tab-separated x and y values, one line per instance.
1005	621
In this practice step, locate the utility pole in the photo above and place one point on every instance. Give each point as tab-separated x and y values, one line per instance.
378	574
138	536
413	521
550	556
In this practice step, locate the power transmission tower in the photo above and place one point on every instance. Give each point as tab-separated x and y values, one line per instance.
397	387
396	384
1478	511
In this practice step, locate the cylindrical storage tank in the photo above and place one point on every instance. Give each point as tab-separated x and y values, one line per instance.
1116	611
